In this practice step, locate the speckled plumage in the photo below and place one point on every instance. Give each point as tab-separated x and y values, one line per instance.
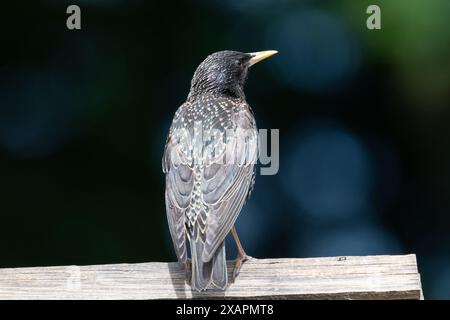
209	180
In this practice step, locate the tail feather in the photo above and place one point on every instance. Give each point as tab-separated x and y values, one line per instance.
219	271
211	274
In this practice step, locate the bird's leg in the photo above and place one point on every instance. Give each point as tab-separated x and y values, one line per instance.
188	271
242	256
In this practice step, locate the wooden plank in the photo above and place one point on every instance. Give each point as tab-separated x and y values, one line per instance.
365	277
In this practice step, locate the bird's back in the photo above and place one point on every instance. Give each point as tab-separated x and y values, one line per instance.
209	164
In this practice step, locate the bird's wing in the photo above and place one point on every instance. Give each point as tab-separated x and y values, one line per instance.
226	166
226	184
179	183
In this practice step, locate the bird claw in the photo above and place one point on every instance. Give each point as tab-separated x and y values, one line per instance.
240	260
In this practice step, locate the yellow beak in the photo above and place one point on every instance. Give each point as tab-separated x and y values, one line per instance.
261	55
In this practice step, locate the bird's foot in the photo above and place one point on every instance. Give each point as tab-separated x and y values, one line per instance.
240	260
188	271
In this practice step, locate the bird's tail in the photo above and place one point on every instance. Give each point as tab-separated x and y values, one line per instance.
211	274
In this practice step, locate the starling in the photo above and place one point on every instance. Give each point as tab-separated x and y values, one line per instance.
209	162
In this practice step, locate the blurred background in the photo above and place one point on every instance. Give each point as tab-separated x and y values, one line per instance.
363	118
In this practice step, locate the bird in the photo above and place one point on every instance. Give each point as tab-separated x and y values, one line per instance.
209	165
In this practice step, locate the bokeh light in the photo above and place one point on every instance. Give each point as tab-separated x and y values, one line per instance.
319	54
329	173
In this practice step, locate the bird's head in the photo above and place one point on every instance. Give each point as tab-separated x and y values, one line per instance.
225	72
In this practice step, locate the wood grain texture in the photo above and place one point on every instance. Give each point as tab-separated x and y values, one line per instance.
366	277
